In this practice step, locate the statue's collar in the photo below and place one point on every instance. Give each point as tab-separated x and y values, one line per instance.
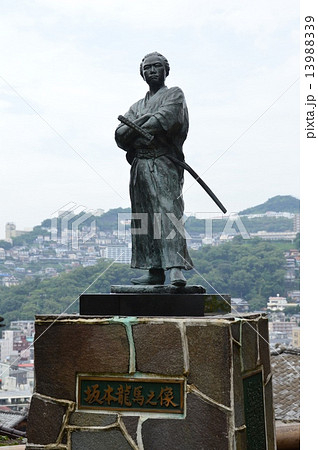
148	97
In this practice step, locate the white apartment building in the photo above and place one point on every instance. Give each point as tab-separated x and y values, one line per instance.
277	303
6	344
119	253
282	327
25	326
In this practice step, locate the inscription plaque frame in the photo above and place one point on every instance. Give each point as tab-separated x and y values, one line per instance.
125	393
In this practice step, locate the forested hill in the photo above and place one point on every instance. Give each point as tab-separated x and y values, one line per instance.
60	294
279	203
252	269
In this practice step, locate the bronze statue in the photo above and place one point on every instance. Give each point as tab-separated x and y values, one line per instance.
155	180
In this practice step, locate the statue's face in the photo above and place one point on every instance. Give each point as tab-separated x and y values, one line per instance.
153	71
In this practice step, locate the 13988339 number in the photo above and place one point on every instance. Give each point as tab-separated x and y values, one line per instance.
309	46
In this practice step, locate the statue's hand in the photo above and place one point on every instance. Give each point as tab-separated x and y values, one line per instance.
141	120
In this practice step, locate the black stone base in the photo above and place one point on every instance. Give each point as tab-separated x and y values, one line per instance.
150	304
157	289
142	304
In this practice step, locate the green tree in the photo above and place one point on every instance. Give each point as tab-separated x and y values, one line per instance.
252	269
292	309
297	241
5	245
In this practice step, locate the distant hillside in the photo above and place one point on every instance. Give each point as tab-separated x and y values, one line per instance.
252	269
108	221
279	203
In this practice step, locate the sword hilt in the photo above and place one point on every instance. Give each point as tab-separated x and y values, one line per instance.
135	127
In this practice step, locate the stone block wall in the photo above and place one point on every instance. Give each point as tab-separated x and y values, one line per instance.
213	354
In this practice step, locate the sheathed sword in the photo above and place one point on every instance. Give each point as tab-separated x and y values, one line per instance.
183	164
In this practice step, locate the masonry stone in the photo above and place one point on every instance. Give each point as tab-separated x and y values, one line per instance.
158	348
210	357
189	372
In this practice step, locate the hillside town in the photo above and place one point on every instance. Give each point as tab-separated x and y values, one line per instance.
56	250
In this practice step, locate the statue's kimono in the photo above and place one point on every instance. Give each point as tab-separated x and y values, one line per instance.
156	182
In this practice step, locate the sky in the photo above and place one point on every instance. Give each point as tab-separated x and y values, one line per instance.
69	68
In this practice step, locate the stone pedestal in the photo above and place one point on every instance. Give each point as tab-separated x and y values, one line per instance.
152	383
158	301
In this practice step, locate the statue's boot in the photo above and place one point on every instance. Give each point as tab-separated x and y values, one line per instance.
177	277
154	276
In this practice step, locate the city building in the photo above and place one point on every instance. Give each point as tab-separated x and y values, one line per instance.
279	338
25	326
275	236
294	296
17	357
11	231
9	281
296	223
277	303
118	253
282	327
15	400
239	305
6	344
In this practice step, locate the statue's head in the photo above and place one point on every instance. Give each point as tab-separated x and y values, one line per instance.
154	61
